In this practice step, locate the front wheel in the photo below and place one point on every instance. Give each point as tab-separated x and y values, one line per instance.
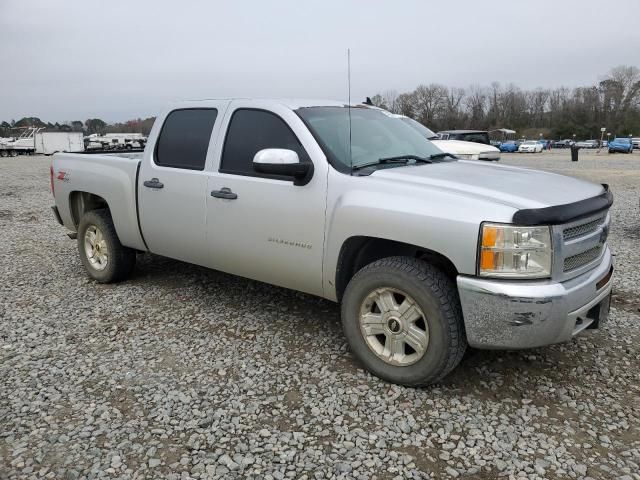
103	256
403	321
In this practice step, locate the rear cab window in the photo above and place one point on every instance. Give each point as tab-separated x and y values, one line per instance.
184	139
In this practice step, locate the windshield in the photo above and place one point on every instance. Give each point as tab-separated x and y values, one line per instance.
529	142
374	135
622	140
420	128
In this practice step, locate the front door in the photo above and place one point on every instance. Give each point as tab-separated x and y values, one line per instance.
172	184
267	228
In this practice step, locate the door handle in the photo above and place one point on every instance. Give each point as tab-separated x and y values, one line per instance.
224	193
153	183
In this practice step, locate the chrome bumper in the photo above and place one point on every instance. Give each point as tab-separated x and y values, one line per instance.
521	314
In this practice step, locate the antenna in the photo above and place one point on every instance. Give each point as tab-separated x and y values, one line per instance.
349	106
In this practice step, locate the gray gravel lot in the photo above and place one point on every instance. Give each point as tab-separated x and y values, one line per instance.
182	372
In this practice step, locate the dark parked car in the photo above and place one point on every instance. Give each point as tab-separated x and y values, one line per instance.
478	136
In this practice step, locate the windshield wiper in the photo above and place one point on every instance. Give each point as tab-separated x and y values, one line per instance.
436	156
403	159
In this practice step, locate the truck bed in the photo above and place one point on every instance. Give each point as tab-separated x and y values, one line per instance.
135	155
111	176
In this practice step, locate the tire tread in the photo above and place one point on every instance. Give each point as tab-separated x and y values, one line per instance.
122	258
446	292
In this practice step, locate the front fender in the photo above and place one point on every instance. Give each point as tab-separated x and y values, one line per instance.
436	220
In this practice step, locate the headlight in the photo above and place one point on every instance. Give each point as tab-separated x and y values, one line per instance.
514	252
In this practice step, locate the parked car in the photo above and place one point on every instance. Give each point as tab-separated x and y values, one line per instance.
426	253
459	148
636	142
477	136
620	144
562	143
587	144
509	146
530	146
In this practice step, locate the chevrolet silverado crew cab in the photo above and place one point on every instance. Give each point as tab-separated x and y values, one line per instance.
425	252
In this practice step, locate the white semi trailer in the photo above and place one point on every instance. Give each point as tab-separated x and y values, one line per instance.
48	143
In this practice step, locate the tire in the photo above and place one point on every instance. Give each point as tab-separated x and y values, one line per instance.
434	295
3	153
13	153
117	261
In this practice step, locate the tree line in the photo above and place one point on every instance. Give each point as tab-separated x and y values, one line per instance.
88	127
613	103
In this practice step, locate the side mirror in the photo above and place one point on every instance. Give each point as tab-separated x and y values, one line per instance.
280	161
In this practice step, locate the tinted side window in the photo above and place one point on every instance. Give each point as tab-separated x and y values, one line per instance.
251	131
475	137
184	138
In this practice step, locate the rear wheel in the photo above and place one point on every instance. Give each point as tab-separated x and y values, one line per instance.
103	256
403	321
13	153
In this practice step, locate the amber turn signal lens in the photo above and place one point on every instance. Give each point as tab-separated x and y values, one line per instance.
489	236
487	260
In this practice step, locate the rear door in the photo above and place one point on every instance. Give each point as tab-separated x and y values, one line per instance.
172	183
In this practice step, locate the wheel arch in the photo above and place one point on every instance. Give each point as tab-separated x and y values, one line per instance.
82	202
358	251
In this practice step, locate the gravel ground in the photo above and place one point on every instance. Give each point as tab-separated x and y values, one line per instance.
182	372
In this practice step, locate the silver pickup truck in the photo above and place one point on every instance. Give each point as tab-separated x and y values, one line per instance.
425	252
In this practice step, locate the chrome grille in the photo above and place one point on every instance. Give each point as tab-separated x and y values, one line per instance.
579	245
580	230
577	261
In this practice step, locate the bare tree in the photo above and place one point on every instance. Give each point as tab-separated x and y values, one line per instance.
476	105
430	101
390	99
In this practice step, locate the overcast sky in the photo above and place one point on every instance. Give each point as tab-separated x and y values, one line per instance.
119	59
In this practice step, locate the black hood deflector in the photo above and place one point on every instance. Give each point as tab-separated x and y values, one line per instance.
558	214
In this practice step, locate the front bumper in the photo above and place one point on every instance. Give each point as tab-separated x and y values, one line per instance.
507	314
490	156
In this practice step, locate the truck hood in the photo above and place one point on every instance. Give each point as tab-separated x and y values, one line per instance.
512	186
463	148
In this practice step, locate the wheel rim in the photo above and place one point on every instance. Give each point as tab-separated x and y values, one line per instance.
394	327
95	247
